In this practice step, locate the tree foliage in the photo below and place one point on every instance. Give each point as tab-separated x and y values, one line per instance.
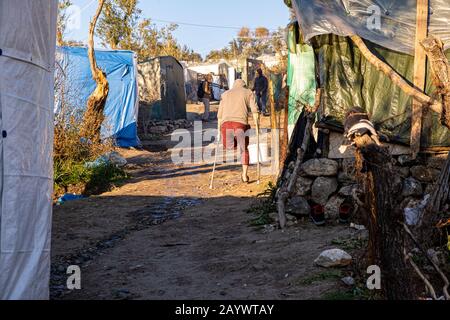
122	26
251	44
61	25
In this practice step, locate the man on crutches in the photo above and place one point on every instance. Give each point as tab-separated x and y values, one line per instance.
234	109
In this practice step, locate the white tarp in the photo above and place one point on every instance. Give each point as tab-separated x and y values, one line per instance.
389	23
27	44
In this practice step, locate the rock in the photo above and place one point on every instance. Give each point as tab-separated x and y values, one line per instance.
348	165
299	206
122	294
402	171
347	191
358	227
158	129
332	207
303	186
320	167
333	258
405	159
322	189
425	174
412	188
349	281
433	255
437	162
346	179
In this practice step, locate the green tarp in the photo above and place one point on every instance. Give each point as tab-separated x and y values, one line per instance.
350	80
301	76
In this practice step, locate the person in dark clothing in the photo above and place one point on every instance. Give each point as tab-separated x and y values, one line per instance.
260	88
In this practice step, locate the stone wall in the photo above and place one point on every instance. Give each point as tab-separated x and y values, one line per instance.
331	182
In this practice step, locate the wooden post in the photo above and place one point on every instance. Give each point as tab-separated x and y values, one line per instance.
420	67
275	132
285	140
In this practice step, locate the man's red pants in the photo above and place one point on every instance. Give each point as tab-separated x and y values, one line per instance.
233	136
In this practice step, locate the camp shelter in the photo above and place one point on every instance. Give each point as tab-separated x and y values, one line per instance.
27	60
221	68
122	104
321	54
224	75
161	89
190	83
246	69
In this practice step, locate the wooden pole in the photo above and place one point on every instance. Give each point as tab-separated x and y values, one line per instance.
275	133
285	140
420	67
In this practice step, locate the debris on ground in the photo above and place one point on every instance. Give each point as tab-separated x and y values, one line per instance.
333	258
113	158
69	197
349	281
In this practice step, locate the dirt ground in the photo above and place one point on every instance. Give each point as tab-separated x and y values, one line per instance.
164	234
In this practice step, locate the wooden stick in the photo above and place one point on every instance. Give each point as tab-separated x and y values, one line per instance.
421	276
285	140
287	188
435	266
434	49
398	80
275	133
420	67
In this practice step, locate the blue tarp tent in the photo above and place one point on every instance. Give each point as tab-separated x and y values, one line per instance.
122	105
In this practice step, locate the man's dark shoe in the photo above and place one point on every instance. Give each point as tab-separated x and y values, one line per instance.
318	215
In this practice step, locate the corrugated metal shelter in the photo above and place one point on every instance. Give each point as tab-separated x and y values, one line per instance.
161	89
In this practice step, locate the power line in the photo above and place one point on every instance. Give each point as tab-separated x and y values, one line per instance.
200	25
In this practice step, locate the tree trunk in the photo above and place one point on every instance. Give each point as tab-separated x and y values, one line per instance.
434	48
94	117
387	239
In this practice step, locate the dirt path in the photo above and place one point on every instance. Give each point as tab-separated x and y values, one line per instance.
165	235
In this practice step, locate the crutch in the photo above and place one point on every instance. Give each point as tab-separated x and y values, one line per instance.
258	168
211	185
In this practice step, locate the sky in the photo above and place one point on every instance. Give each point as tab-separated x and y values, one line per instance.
230	15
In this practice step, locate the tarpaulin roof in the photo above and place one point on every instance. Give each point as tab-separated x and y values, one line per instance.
397	20
349	80
27	59
122	105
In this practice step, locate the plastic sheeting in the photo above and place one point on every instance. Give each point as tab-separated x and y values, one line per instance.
122	105
27	41
301	77
350	80
389	23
